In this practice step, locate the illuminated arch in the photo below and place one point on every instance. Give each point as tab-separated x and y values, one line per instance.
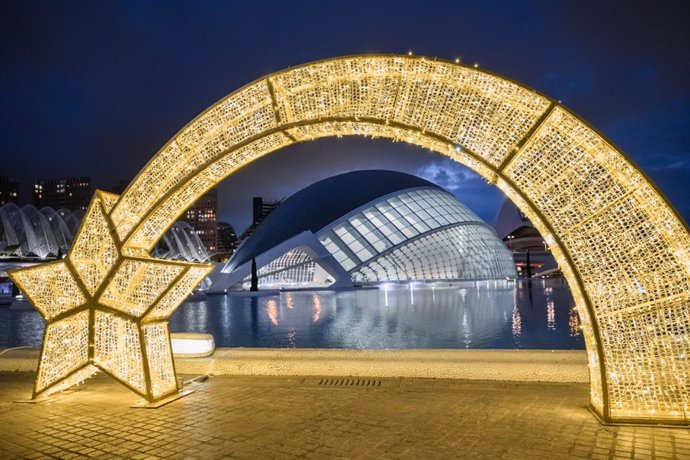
622	248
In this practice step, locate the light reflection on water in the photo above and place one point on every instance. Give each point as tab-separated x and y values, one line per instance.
21	326
488	315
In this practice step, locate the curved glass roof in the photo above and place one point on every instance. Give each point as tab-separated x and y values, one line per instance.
456	252
411	231
391	221
320	204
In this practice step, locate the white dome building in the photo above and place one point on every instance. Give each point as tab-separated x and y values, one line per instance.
29	233
367	228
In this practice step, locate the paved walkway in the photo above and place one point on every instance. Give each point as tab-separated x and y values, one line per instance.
287	417
511	365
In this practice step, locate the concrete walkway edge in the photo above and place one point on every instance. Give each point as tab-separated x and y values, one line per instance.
497	365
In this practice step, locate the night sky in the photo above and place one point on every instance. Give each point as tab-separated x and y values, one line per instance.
96	88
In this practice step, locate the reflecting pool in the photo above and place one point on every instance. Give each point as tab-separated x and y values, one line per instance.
475	315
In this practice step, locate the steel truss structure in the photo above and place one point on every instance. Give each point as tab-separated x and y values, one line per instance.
623	249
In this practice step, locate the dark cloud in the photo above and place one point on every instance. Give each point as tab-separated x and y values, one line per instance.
84	83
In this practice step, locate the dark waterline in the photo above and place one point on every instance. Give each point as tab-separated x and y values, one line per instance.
488	315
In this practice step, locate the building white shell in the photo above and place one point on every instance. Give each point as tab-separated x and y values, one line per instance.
181	243
28	233
366	228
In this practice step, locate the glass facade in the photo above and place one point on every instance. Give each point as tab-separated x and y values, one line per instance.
390	222
421	234
459	252
294	268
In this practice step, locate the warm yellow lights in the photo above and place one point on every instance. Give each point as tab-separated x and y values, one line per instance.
107	311
623	250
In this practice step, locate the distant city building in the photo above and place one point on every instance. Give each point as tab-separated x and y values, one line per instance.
368	228
261	210
227	239
202	216
9	190
73	193
520	235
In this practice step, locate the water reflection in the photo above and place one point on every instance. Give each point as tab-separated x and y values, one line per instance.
272	310
196	316
20	325
550	309
317	308
419	317
574	322
481	315
516	326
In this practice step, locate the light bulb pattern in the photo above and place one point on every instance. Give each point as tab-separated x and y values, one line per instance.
621	246
107	311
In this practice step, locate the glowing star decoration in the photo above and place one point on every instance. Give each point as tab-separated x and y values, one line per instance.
621	246
107	311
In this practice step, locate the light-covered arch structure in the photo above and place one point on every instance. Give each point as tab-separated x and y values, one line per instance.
624	251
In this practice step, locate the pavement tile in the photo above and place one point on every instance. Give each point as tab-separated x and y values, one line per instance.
289	417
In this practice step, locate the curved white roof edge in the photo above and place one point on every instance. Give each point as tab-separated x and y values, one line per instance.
223	280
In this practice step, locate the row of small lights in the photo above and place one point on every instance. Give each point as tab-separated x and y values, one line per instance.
457	60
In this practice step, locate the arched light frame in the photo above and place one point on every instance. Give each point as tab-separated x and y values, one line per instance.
623	249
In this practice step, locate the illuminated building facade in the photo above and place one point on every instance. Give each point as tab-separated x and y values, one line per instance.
519	234
202	216
73	193
9	190
260	210
227	240
621	246
389	227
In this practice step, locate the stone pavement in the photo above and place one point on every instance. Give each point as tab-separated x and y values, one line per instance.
311	417
512	365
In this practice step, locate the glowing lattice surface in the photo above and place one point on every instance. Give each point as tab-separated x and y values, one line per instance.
55	290
66	349
118	349
624	251
94	251
107	311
